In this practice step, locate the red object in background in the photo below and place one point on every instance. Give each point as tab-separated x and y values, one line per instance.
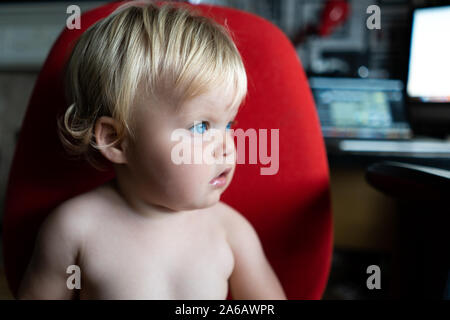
290	210
334	14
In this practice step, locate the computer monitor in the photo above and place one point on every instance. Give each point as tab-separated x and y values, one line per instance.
428	84
360	108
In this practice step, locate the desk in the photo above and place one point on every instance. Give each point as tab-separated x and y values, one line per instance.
421	151
412	230
363	217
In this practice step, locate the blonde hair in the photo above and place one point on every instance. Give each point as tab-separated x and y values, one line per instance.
174	52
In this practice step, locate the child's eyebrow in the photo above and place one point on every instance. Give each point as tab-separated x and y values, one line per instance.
209	113
211	116
201	114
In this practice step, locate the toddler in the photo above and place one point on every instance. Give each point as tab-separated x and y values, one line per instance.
159	229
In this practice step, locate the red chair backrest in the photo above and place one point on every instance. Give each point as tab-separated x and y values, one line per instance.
290	210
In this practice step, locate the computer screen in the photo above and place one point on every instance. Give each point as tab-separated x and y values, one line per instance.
360	108
429	62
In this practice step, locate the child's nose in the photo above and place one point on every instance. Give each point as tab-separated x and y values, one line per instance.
225	147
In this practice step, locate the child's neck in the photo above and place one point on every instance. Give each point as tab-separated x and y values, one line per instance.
141	207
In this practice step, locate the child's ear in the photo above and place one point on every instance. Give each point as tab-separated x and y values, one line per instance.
106	132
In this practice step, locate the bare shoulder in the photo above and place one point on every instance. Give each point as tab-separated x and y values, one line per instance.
226	213
76	215
253	277
59	244
235	223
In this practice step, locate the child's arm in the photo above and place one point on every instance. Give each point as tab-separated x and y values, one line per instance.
252	278
56	248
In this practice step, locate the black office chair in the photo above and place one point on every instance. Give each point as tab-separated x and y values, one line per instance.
422	254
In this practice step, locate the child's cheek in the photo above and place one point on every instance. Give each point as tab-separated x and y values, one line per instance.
188	150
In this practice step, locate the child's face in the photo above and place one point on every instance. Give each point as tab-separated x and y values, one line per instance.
152	171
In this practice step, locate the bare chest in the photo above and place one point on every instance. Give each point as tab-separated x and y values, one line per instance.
170	263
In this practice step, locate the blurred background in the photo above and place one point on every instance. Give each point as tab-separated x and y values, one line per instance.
380	97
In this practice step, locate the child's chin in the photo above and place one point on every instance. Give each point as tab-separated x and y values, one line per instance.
201	204
211	201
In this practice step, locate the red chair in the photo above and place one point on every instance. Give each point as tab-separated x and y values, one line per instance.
290	210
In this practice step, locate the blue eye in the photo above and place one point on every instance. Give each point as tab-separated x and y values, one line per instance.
231	123
199	128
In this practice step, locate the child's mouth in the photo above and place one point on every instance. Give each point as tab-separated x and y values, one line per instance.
221	179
